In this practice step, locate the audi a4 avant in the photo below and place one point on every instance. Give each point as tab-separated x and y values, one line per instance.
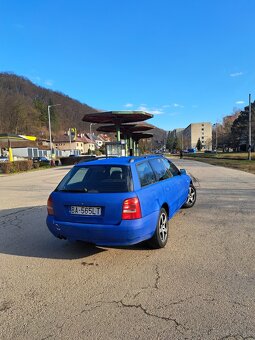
119	201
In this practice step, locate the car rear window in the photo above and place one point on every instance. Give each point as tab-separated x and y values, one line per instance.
97	179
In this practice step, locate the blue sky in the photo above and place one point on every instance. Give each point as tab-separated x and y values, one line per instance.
184	60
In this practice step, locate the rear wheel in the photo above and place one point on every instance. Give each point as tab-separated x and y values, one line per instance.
192	196
159	239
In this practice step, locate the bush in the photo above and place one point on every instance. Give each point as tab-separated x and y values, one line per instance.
36	165
13	167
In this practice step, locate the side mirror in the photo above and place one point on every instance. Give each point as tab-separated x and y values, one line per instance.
183	172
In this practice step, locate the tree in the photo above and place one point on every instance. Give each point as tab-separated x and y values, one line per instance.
199	145
240	128
177	144
170	140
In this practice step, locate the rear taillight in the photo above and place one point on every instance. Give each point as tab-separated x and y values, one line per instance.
131	209
50	206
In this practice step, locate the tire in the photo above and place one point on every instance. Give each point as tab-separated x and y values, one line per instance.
192	196
160	237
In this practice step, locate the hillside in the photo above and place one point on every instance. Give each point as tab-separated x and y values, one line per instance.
23	109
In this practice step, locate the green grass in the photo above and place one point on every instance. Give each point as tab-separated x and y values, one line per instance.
233	160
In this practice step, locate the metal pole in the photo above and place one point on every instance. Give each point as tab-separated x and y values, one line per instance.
70	139
49	106
249	147
216	138
118	133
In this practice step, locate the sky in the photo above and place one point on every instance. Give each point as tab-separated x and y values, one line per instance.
184	61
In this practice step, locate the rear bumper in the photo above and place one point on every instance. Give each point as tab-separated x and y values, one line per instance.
126	233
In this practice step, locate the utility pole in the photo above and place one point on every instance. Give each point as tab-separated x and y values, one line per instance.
249	147
70	139
216	137
49	106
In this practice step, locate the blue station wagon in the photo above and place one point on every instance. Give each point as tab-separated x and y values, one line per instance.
119	201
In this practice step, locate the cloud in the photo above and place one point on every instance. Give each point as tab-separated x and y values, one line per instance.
236	74
178	105
129	105
240	102
156	112
48	82
152	110
142	107
36	78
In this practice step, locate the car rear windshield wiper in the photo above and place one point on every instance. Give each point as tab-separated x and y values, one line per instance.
73	190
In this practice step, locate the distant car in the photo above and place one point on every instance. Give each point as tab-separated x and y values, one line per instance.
119	201
3	159
41	160
192	150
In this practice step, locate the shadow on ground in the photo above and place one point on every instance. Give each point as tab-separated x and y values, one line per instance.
23	232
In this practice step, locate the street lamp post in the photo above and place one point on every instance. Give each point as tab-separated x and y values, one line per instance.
49	106
90	128
249	147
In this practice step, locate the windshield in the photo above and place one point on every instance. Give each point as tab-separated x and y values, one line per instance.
97	178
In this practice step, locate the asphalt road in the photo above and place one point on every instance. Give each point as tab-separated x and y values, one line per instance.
201	286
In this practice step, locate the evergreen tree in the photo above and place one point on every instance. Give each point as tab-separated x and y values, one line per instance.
199	145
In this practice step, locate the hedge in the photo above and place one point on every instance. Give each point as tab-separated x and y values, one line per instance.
17	166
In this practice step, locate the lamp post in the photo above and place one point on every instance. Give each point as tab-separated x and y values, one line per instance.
90	128
49	106
216	136
249	147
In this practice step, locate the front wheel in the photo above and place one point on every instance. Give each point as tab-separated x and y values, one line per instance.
159	239
192	196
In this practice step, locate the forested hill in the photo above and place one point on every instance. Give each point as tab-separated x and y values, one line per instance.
23	110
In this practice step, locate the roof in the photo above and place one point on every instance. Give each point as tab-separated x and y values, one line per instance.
117	160
66	139
116	117
125	128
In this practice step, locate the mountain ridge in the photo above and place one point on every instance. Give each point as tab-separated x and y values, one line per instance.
23	109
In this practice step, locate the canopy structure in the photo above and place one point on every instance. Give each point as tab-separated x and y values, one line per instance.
125	128
117	118
127	131
138	136
134	139
9	138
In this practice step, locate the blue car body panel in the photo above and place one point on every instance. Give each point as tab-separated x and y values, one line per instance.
109	229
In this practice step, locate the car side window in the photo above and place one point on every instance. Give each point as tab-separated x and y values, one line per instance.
145	174
160	169
171	167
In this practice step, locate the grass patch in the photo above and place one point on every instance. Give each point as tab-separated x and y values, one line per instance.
239	164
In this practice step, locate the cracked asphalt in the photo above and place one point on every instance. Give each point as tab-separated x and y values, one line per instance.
201	286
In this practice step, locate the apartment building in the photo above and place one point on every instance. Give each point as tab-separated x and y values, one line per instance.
196	131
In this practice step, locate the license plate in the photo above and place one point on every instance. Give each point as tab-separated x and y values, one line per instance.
86	211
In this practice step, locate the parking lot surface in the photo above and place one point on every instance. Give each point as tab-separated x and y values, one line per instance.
201	286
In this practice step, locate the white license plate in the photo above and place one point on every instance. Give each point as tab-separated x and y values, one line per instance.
87	211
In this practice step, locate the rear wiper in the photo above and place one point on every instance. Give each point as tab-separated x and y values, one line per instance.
74	190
